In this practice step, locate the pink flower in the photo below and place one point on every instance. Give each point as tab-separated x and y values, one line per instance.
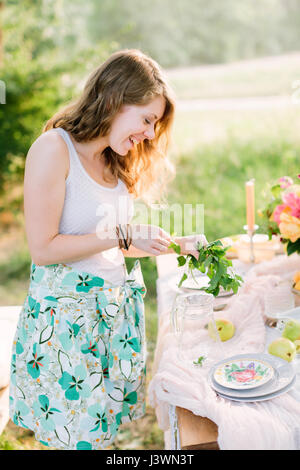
285	182
278	211
244	375
293	201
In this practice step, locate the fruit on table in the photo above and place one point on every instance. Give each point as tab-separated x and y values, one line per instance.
284	348
224	327
297	344
297	281
292	330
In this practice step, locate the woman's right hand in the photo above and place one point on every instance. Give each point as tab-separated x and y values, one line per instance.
150	238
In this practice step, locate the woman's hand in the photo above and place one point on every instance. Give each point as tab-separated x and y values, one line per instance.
150	238
188	244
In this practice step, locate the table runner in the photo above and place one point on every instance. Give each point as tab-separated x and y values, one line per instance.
269	425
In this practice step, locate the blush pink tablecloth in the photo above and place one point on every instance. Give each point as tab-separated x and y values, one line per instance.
267	425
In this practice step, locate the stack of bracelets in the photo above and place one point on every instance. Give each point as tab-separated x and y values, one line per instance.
124	234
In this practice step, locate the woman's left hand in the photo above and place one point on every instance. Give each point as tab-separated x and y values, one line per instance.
188	244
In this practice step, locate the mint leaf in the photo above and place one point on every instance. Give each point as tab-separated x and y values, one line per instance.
199	361
212	260
181	260
184	277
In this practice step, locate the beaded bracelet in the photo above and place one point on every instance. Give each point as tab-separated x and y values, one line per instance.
124	242
121	242
124	239
129	240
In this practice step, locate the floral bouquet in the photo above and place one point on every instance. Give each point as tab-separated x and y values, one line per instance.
282	214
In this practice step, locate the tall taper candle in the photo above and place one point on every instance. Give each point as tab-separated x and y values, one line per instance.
250	204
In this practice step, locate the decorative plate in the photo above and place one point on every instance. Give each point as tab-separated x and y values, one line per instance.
284	373
261	398
243	373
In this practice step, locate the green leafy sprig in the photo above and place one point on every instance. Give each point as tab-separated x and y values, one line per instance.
199	361
212	261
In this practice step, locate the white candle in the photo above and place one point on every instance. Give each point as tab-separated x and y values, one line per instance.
250	204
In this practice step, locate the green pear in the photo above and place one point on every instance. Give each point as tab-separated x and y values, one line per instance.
284	348
224	327
292	330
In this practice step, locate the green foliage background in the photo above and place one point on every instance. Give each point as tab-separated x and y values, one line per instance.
51	45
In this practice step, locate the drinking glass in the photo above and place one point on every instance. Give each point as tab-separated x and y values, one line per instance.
278	300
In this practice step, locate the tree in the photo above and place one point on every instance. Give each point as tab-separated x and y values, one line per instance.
41	74
1	34
178	33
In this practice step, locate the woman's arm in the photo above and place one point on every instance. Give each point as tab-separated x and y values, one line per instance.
186	243
133	252
46	170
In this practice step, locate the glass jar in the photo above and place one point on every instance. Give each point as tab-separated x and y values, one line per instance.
192	316
279	299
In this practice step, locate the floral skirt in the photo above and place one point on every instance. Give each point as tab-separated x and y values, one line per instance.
78	357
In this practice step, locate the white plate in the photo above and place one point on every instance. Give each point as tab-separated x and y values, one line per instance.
243	373
284	373
260	398
202	281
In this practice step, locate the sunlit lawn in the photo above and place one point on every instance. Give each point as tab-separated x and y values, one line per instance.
216	152
14	281
258	77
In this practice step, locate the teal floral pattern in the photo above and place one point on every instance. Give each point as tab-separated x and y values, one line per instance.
49	416
37	361
78	358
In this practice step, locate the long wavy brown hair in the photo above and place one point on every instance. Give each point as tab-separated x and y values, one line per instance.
127	77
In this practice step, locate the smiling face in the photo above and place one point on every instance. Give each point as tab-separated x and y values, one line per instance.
135	123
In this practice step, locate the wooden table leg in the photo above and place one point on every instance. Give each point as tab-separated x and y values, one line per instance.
196	433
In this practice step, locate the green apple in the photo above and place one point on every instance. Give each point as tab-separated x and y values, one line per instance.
225	329
297	344
284	348
292	330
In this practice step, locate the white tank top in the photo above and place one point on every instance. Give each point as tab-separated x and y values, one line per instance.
89	206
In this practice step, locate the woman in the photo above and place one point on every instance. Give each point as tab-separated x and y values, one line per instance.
78	360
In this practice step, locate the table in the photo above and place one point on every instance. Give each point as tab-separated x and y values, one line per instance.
188	431
193	432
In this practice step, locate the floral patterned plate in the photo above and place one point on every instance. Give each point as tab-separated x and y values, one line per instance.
261	398
243	373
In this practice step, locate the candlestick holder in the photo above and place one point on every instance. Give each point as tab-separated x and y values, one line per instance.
250	233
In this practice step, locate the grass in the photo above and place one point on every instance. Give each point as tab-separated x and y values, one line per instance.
215	153
259	77
14	281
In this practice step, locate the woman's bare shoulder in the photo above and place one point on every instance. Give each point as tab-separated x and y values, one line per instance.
49	152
